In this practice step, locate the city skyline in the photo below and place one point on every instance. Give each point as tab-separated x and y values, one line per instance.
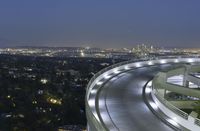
103	24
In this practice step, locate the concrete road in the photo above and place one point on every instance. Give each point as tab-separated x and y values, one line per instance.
121	103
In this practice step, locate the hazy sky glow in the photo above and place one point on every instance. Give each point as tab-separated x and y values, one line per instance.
100	23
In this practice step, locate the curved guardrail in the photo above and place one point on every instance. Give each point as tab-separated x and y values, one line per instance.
186	120
170	106
92	116
197	121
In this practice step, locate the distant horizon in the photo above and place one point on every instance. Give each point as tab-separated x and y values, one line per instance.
95	47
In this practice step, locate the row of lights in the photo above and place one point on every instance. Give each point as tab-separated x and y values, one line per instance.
139	64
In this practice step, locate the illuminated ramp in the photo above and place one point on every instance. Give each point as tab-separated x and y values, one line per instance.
116	98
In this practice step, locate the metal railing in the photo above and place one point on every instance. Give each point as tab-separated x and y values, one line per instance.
197	122
171	106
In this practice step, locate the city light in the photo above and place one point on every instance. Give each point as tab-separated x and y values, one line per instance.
82	53
34	102
54	101
8	96
44	81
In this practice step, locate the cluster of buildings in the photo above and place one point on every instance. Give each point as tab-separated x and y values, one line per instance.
139	51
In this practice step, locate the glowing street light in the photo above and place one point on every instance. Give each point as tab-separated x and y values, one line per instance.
44	81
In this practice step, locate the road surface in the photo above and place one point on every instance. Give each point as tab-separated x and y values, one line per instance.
121	102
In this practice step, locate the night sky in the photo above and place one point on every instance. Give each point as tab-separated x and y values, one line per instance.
100	23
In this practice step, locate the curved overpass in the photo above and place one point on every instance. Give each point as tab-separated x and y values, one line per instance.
115	98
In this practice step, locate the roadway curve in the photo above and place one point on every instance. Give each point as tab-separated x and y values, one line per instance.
117	102
123	98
